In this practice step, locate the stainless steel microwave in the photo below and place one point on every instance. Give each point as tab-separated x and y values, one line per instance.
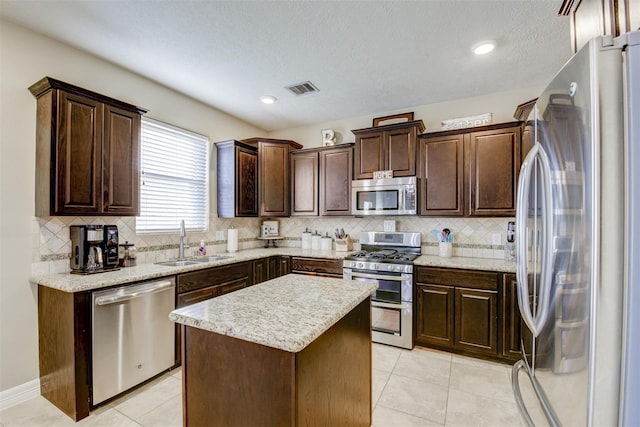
392	196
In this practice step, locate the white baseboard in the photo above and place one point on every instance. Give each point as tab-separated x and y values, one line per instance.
19	394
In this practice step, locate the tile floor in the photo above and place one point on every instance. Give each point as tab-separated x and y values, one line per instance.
410	388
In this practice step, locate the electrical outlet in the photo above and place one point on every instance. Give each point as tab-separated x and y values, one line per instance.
219	235
496	239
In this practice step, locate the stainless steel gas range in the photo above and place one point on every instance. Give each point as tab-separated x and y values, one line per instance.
387	258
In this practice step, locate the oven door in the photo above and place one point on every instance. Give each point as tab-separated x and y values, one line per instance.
393	288
391	306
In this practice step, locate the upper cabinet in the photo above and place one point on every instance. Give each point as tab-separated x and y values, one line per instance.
592	18
321	181
470	172
274	196
87	152
237	179
390	147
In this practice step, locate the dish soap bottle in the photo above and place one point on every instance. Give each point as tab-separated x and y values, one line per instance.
202	249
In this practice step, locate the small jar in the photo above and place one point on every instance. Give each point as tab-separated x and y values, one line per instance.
129	255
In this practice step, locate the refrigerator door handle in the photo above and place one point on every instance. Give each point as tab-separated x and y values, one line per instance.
534	321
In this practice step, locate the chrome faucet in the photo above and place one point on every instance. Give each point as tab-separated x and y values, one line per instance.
183	234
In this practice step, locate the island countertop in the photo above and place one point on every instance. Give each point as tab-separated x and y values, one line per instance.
286	313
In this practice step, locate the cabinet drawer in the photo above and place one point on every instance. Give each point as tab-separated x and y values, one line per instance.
452	277
318	266
193	297
225	288
212	276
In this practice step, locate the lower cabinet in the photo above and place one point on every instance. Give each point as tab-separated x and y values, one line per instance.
511	320
457	310
317	266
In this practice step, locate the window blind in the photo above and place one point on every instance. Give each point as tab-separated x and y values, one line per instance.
174	186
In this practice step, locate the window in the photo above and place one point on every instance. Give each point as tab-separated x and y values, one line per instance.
175	179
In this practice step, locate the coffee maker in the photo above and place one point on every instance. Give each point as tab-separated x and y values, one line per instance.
94	248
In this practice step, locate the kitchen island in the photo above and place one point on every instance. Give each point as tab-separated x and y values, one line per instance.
292	351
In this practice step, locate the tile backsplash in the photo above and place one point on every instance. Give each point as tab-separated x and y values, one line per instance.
52	245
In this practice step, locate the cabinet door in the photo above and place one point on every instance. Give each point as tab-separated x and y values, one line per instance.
435	315
476	320
369	154
442	176
400	151
260	270
78	164
304	184
336	173
511	320
273	267
121	173
285	265
494	159
246	176
274	179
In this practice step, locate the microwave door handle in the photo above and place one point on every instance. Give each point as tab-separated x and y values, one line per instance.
524	188
401	204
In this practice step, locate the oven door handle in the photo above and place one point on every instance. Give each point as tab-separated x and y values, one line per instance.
401	277
403	305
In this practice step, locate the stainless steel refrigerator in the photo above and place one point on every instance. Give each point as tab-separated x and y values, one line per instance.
578	243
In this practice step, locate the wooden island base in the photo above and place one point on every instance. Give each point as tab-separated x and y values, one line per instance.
232	382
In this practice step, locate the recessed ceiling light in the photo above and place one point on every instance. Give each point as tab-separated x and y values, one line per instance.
268	99
483	47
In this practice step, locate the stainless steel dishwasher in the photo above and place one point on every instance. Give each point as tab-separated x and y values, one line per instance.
133	338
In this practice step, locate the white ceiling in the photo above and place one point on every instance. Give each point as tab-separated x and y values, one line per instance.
366	57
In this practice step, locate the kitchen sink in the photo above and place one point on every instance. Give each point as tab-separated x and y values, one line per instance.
210	258
178	263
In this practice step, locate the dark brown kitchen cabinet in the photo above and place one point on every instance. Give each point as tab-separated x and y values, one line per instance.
435	315
274	196
237	173
511	320
442	176
321	181
476	320
470	172
87	152
268	268
457	310
389	147
592	18
285	265
317	266
304	183
215	276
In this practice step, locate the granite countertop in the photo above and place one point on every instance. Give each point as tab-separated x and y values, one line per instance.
287	313
67	282
486	264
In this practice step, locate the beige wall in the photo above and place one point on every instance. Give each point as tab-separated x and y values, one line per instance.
501	104
25	58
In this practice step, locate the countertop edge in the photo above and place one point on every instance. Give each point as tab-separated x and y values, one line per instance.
72	283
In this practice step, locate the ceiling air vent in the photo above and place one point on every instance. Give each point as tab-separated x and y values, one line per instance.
302	88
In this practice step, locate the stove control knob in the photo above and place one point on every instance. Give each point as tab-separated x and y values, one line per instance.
359	265
374	266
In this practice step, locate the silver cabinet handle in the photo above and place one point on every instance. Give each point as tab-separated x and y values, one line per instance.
160	286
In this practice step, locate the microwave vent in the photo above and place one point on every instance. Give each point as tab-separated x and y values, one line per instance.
302	88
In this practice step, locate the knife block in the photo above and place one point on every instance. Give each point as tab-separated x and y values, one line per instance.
344	245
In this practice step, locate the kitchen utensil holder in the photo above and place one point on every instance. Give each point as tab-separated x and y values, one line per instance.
445	249
344	245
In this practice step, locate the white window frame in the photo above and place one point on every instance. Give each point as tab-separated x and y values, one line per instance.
173	163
